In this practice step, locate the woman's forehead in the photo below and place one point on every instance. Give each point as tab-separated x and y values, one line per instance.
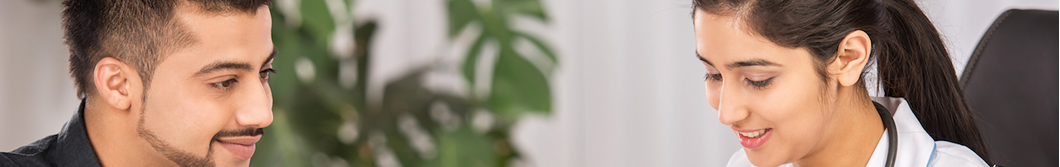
723	41
720	39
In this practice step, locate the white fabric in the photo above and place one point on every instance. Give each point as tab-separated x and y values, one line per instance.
915	146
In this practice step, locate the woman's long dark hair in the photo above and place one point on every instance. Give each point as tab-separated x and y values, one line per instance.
911	58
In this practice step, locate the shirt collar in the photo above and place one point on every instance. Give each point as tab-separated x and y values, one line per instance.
72	146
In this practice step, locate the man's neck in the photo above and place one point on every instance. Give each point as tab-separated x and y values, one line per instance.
853	137
114	138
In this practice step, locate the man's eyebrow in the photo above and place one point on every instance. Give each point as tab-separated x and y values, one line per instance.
752	62
222	66
271	55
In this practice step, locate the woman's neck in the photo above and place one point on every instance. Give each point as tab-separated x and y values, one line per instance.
852	138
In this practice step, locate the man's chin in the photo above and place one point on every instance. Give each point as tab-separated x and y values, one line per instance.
232	162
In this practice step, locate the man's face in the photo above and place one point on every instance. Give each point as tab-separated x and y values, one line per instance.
208	101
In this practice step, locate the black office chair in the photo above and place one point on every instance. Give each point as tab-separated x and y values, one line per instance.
1011	85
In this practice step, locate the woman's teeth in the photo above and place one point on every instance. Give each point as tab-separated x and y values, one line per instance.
754	134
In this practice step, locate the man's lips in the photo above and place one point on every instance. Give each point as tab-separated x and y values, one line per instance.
241	147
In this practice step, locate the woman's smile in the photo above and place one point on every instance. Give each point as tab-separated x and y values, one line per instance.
754	138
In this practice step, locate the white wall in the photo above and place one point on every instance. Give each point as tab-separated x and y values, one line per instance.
36	93
628	92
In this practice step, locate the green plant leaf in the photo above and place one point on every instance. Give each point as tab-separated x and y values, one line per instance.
541	45
464	148
471	59
518	87
317	20
280	146
495	25
532	8
461	13
284	81
310	113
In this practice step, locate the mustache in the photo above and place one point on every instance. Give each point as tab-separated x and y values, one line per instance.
241	132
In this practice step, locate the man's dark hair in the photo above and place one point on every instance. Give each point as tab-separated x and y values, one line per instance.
136	32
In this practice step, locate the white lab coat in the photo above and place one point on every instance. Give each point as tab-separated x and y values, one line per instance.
915	147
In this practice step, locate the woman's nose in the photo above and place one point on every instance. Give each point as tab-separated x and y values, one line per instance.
731	106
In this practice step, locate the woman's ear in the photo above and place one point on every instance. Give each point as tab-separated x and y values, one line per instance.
851	58
112	80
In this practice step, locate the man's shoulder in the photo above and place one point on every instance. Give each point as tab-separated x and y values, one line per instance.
71	147
32	154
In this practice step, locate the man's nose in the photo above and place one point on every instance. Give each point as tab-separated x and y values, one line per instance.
256	108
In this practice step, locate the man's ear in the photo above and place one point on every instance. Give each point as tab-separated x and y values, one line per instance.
851	58
112	79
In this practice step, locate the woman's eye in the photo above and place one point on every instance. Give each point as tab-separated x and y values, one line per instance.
759	84
224	84
712	77
264	74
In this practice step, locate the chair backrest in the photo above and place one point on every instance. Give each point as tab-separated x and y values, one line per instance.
1011	85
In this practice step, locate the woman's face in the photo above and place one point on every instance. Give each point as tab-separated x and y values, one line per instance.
771	96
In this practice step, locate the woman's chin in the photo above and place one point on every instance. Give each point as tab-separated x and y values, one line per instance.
767	163
760	158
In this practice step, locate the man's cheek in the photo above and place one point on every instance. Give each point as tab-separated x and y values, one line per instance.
203	123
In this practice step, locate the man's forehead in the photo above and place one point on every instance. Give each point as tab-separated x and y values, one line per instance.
227	29
238	37
224	8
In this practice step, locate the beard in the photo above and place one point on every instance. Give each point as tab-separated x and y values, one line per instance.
181	157
178	156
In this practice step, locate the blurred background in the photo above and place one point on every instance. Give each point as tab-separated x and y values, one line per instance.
459	83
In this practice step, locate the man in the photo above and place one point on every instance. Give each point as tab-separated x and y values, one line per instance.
162	83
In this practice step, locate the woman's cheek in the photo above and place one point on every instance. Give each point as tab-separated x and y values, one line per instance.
712	95
798	118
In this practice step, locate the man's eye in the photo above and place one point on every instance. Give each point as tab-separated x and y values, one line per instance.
224	84
264	74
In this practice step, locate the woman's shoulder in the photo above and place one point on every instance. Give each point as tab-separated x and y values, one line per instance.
945	154
953	154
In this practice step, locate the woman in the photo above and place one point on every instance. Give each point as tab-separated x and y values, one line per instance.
787	77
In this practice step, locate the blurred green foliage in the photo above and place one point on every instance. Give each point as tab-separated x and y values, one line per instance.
323	116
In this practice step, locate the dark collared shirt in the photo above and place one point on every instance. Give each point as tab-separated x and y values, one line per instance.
70	147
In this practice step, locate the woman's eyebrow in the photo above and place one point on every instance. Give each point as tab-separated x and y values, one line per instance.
752	62
702	59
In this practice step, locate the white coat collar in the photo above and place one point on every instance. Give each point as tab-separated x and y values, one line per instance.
915	146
